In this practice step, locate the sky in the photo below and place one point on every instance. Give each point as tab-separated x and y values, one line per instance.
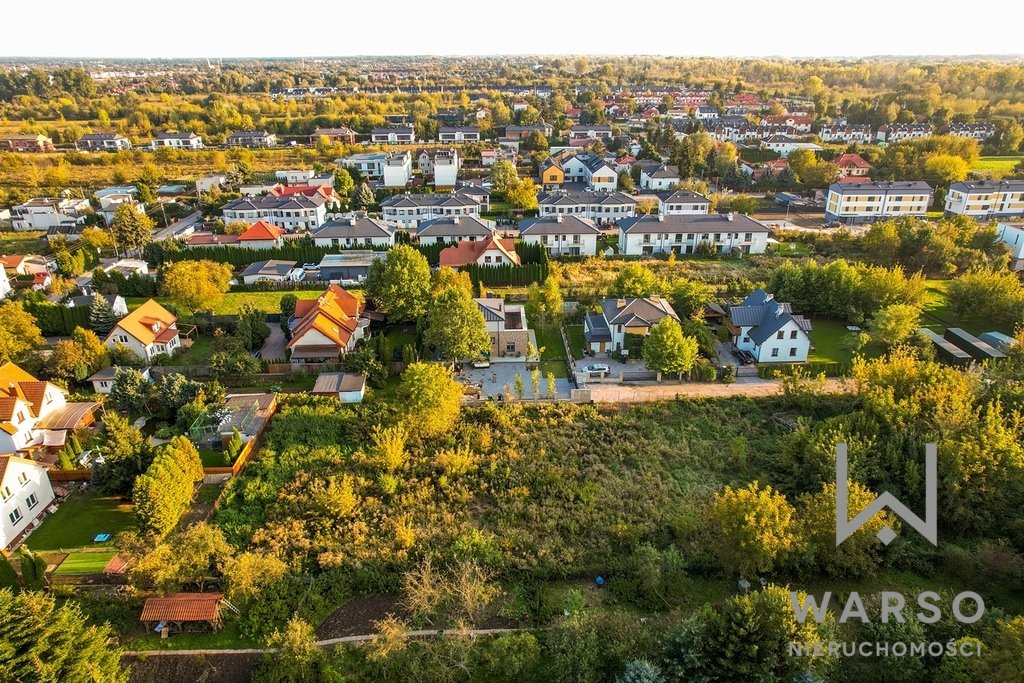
260	28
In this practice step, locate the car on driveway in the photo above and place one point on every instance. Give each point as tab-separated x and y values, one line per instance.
596	367
745	357
482	363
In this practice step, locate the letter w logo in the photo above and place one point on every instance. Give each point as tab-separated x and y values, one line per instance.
846	527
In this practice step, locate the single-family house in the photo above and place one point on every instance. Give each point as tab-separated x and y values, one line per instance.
442	164
396	169
852	166
340	134
262	235
599	207
562	235
295	213
355	231
252	139
25	494
489	156
5	283
28	142
689	233
117	303
769	330
43	213
514	132
347	387
453	229
658	176
270	271
326	328
682	202
458	134
103	380
295	176
177	140
1012	235
606	330
409	210
103	142
490	251
370	165
35	414
785	145
149	330
507	327
398	135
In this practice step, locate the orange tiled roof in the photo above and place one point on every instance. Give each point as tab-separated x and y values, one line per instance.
261	230
139	323
334	314
183	607
467	252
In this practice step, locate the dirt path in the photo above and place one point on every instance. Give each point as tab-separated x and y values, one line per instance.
638	393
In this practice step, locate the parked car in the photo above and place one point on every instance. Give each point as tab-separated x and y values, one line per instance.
482	363
596	367
745	357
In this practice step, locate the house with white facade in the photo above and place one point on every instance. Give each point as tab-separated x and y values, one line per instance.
25	493
769	329
370	165
324	329
103	380
409	210
833	132
590	131
294	213
894	132
103	142
852	166
177	140
295	176
442	164
396	169
606	331
458	134
355	231
490	251
507	327
474	190
706	113
451	229
986	199
43	213
118	305
111	198
5	284
1012	235
682	202
866	202
562	235
251	139
655	175
149	330
599	207
785	145
688	233
974	131
270	271
398	135
34	414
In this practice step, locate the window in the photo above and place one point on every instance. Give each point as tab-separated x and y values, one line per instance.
22	478
792	351
510	347
32	501
6	492
15	516
775	353
792	334
781	335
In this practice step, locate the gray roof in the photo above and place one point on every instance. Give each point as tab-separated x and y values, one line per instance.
563	198
582	127
249	134
269	268
341	130
765	316
452	226
175	136
267	202
597	329
86	301
881	187
659	170
417	200
458	129
558	225
338	382
353	227
474	190
393	129
973	186
102	136
682	196
636	312
690	223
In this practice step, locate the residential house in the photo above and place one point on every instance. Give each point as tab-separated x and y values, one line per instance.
117	303
294	213
870	201
452	229
606	331
562	235
409	210
208	182
975	131
799	124
270	271
326	328
658	176
349	265
262	235
894	132
111	198
31	142
25	494
450	135
852	166
590	131
252	139
295	176
34	414
1012	235
339	134
149	330
688	233
398	135
834	132
26	271
347	387
208	239
443	164
769	330
986	199
69	232
103	380
355	231
369	165
490	251
514	132
476	191
682	202
177	140
489	156
599	207
507	327
5	284
551	174
42	213
103	142
785	145
396	169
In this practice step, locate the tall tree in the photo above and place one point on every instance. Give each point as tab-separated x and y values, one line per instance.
19	332
503	176
129	391
666	349
130	228
196	285
400	284
635	280
101	315
755	528
126	454
430	397
456	328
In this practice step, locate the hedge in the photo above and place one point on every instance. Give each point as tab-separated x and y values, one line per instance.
507	275
831	369
58	321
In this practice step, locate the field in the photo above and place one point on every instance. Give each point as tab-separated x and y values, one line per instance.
31	242
1003	165
78	520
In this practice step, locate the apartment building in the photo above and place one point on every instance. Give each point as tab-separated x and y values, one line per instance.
562	235
854	203
599	207
685	233
986	199
409	210
295	212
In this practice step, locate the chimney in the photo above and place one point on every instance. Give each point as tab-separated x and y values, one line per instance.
558	218
351	221
455	219
730	216
656	298
661	218
620	303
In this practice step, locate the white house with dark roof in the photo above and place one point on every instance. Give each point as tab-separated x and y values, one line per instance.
866	202
252	139
355	231
458	134
682	202
769	330
409	210
5	283
442	163
25	493
894	132
295	212
834	132
396	169
369	164
599	207
590	131
974	131
986	199
685	233
103	142
785	145
450	229
475	191
566	235
706	113
514	132
1012	235
655	175
270	271
177	140
397	135
606	331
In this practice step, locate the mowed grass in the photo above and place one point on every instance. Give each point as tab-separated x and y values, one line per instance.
827	336
31	242
549	339
1004	164
79	519
84	563
232	302
576	340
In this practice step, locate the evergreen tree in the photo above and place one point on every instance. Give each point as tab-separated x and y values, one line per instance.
33	569
101	315
8	577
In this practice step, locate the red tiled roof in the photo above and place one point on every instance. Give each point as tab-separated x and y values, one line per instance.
261	231
183	607
205	238
851	161
467	252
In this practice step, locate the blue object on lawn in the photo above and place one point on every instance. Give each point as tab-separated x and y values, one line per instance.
100	538
599	581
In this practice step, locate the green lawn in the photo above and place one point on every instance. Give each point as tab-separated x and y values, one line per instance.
1004	164
827	335
576	340
399	337
212	458
232	302
84	563
791	249
550	340
197	354
228	638
556	367
31	242
79	519
938	314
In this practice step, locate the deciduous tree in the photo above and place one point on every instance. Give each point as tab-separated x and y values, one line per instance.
196	285
666	349
19	333
755	528
430	397
400	284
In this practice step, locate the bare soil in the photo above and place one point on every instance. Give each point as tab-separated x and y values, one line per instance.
218	668
357	616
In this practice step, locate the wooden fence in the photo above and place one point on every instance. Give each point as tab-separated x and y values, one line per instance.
67	476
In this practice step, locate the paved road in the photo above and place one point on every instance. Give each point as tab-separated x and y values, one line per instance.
752	386
178	226
274	346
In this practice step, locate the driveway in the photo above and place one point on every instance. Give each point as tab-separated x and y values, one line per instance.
502	374
273	347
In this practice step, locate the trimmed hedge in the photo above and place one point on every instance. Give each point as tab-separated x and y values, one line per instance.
58	321
831	369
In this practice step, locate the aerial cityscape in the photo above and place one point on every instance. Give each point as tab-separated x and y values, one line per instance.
556	367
